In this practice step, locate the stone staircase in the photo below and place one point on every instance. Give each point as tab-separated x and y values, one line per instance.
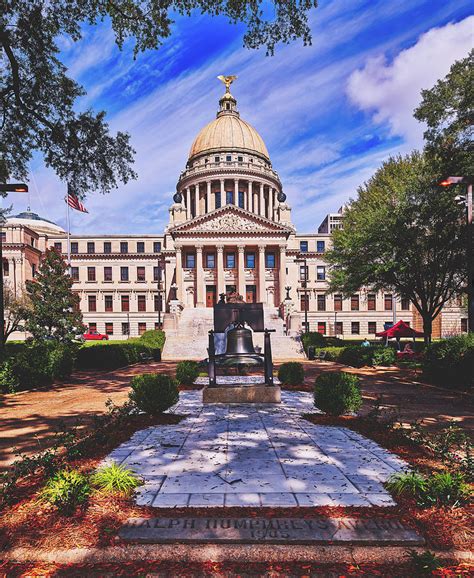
190	340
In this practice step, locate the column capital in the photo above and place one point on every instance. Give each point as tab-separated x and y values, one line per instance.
220	248
178	248
282	248
241	248
261	248
198	248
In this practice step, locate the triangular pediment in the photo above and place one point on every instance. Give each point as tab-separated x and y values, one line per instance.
230	220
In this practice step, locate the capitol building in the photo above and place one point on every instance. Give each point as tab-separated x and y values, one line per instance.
230	231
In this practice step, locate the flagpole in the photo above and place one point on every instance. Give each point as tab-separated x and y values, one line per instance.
68	235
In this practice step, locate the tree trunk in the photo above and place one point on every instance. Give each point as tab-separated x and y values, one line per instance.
427	328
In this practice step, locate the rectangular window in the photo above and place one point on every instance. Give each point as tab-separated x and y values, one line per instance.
229	197
107	247
270	261
141	303
217	159
338	302
58	246
6	267
228	158
156	273
250	260
157	303
211	260
405	304
33	270
141	328
92	303
320	273
75	273
107	273
140	273
322	327
92	327
304	302
125	328
304	272
90	247
464	325
355	328
157	326
109	328
123	273
123	247
218	200
320	246
140	247
3	235
355	303
321	302
388	302
74	248
156	246
240	159
303	246
241	199
125	301
91	273
339	328
190	260
371	302
230	260
109	303
372	327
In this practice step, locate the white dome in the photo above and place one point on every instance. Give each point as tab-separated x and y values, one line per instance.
36	223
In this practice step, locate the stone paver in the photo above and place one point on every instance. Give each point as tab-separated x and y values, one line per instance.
255	455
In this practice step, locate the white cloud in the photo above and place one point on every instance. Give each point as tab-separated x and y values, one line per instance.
391	90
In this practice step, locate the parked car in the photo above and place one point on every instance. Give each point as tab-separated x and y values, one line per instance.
95	336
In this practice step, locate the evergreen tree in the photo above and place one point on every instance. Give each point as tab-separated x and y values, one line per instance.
54	306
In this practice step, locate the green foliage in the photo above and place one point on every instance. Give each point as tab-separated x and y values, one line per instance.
187	372
401	234
450	362
291	373
439	489
356	356
447	110
155	341
153	393
9	381
384	356
61	360
67	490
54	309
332	353
115	478
425	563
312	339
105	355
337	392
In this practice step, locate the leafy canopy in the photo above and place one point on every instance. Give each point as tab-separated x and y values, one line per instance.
54	309
37	98
402	234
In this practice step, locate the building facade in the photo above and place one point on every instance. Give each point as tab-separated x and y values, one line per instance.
229	231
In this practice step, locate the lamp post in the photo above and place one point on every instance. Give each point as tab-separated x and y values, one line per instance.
6	188
304	285
159	289
466	200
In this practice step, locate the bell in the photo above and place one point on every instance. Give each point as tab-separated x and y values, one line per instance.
239	342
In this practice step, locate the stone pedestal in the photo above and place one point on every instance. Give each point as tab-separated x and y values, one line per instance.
236	393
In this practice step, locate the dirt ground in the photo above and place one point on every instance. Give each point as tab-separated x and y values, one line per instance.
29	419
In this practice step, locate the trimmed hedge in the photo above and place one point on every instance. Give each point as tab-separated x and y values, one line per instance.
336	392
359	356
153	393
291	373
450	362
187	372
316	339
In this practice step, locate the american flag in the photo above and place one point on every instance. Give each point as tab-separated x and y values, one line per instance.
75	203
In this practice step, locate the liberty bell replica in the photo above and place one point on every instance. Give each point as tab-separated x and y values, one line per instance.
239	341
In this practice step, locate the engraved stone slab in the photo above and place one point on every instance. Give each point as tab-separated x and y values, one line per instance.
241	394
274	531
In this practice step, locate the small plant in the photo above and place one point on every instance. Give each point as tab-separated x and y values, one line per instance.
291	373
67	490
61	361
406	483
425	563
187	372
9	382
115	478
154	393
337	392
384	356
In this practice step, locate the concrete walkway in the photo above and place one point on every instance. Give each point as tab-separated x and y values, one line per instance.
256	455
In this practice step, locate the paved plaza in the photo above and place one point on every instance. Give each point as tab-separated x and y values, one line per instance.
256	455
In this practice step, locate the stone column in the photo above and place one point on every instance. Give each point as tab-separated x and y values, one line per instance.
236	192
199	278
251	204
241	265
282	274
197	191
262	296
220	269
223	195
179	272
208	197
262	201
188	202
270	203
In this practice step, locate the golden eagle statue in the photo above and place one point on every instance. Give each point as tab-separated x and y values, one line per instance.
227	80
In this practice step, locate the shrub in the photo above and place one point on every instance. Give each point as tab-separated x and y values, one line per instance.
115	478
332	353
450	362
31	366
155	340
356	356
9	382
187	372
61	361
67	490
291	373
406	483
312	339
336	392
111	355
384	356
153	393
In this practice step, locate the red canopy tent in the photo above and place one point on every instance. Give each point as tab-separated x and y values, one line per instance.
400	329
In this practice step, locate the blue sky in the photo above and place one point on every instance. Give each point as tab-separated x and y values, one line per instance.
329	113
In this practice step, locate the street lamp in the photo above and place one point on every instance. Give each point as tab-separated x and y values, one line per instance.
304	285
6	188
467	200
159	289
